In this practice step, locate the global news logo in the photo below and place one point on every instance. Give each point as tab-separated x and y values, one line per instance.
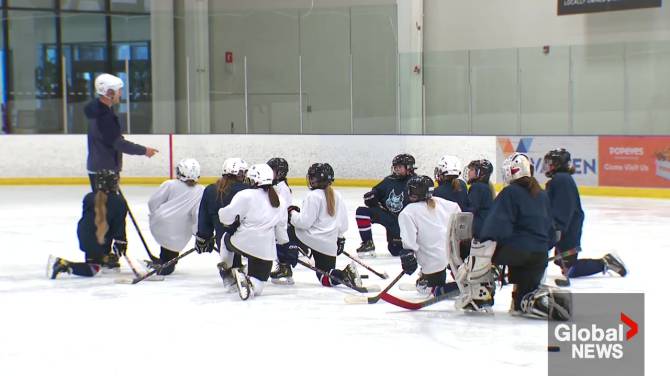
595	342
583	166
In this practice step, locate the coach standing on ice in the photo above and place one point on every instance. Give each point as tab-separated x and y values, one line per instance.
106	144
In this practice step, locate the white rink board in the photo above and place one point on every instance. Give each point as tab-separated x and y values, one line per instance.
352	157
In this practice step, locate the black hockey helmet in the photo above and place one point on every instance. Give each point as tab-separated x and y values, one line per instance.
406	160
320	175
106	181
483	169
557	160
280	167
420	188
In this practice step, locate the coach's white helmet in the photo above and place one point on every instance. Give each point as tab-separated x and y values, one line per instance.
515	167
188	169
260	174
105	82
449	165
233	166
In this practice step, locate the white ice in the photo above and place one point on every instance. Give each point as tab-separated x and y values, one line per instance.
187	325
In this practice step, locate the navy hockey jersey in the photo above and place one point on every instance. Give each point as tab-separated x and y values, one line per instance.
566	208
520	221
391	194
446	191
480	199
116	220
208	214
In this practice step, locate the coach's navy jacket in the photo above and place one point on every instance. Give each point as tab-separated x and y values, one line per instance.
106	144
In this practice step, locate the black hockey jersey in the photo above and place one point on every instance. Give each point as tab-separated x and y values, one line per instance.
446	191
208	214
390	194
566	208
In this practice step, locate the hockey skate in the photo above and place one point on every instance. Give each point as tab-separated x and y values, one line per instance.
244	287
614	263
282	275
56	265
110	264
227	277
366	250
351	276
547	303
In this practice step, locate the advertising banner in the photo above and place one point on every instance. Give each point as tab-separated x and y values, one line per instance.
641	161
589	6
583	150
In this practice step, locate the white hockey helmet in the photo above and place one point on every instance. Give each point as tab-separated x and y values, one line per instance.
449	165
188	169
233	166
105	82
515	167
260	174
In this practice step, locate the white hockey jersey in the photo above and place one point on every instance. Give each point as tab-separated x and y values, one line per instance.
426	231
315	227
173	213
284	193
260	223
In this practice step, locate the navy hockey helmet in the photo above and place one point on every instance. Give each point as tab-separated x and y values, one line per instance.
106	181
420	188
320	175
557	160
406	160
483	169
280	167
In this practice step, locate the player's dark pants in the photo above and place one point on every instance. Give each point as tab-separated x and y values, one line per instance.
166	256
526	269
574	267
322	261
365	217
435	279
257	268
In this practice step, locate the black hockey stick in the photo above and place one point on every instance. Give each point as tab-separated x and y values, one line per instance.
361	263
161	267
132	218
565	280
358	299
315	269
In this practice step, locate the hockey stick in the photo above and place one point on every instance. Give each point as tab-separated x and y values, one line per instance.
358	299
166	265
132	267
137	227
359	262
565	280
417	305
316	270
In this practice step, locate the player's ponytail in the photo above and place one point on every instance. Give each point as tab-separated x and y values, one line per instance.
100	208
455	184
530	183
223	186
431	203
272	195
330	200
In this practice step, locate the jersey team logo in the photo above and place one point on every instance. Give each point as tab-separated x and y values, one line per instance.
394	202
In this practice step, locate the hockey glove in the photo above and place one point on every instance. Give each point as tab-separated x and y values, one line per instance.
408	262
230	229
371	200
203	245
119	247
287	254
340	245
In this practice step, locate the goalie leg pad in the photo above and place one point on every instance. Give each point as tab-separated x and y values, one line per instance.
548	303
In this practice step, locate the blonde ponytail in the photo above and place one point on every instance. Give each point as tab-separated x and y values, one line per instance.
330	200
100	209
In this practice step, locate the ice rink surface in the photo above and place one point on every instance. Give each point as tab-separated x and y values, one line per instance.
187	324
